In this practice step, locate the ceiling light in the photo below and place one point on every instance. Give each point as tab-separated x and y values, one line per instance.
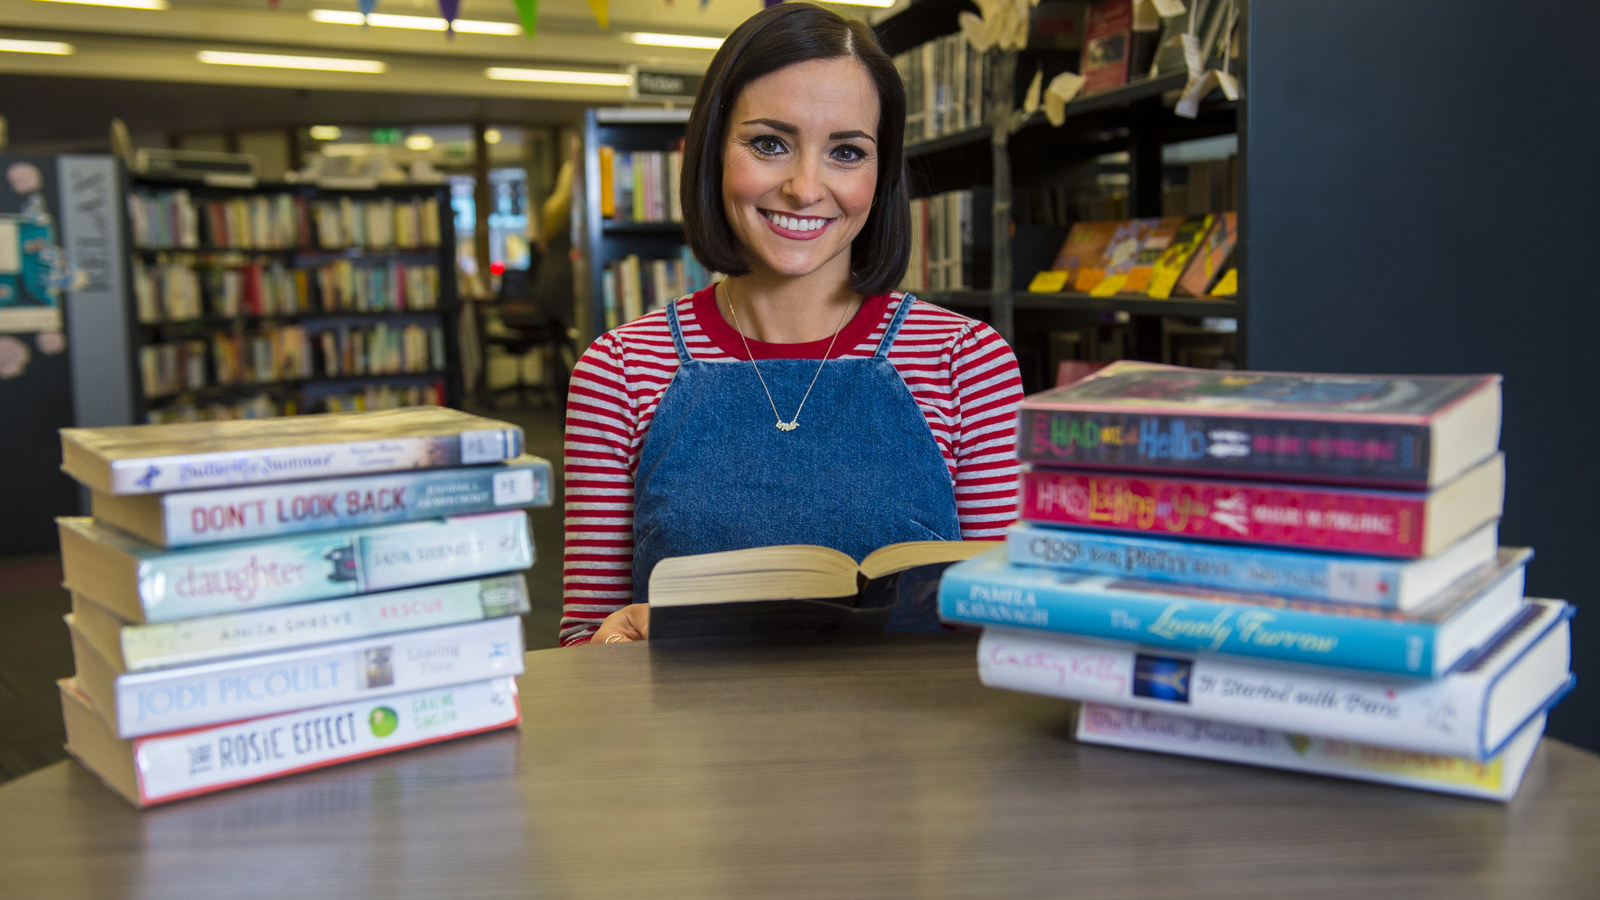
491	135
275	61
55	48
127	4
555	76
422	23
325	132
692	42
419	142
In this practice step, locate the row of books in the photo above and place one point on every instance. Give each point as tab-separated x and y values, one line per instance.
1129	39
1187	256
1297	571
631	286
252	599
945	81
266	406
175	218
949	241
289	353
178	290
641	185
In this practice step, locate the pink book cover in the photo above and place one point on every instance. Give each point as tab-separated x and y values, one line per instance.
1381	523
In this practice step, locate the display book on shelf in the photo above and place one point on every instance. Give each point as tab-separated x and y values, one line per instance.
1426	670
282	298
245	660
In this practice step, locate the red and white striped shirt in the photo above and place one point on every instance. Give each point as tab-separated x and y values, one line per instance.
961	373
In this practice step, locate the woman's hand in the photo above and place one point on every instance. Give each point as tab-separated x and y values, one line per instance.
630	623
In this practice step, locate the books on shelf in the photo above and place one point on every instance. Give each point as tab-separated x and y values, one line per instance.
162	768
142	459
945	81
1410	432
795	589
1472	711
640	185
1082	254
1210	258
950	241
1107	48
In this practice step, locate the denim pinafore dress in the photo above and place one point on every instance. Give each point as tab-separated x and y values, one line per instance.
863	469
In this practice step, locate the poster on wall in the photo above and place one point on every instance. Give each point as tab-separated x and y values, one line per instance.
33	269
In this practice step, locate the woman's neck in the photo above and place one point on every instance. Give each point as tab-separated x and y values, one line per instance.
786	312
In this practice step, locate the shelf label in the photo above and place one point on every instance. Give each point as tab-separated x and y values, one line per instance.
1049	281
1109	286
657	83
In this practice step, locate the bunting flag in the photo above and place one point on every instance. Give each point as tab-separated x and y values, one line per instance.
602	12
528	12
449	9
773	2
366	7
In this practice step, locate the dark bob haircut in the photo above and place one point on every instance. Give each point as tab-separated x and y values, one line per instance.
770	40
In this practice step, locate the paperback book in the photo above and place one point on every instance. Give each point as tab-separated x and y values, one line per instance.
1496	779
1406	524
1307	574
190	518
161	645
141	703
160	769
143	583
1425	642
153	459
1406	432
1471	712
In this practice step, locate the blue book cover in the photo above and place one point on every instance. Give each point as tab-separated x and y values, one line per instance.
190	518
1310	574
989	590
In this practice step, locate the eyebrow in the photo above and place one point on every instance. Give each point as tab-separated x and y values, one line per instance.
786	128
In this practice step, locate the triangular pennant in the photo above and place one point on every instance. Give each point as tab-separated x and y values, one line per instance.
602	12
366	7
528	12
449	9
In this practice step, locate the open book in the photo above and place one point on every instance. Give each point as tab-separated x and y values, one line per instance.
802	589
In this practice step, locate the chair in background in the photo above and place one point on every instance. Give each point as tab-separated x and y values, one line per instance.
528	319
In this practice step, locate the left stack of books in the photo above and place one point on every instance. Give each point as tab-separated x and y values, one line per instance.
1291	570
255	598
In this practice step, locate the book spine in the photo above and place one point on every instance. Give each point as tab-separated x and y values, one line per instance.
1369	581
188	641
208	693
1439	716
197	471
1097	607
332	564
1385	454
1185	736
172	767
240	513
1373	522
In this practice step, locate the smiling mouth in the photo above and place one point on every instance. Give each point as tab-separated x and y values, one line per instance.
795	223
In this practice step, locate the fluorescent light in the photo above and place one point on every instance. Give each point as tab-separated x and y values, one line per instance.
555	76
325	132
419	142
126	4
55	48
421	23
491	135
275	61
692	42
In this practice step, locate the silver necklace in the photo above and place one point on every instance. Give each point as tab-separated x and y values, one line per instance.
794	422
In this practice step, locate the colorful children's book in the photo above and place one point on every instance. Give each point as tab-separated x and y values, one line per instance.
189	518
1425	642
1307	574
1082	254
1175	258
1497	779
1471	712
1405	431
160	769
1208	262
153	459
1406	524
1152	246
1107	47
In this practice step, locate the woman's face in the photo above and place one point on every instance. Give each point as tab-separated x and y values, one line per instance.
801	165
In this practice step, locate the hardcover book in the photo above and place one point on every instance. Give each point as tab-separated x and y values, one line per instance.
1471	712
1425	642
1406	524
1308	574
161	645
141	703
144	583
802	589
1107	48
1497	779
1208	262
190	518
152	770
153	459
1082	254
1411	432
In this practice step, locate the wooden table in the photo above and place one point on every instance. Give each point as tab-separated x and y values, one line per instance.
870	770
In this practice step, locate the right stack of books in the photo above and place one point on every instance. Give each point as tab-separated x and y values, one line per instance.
1299	571
260	597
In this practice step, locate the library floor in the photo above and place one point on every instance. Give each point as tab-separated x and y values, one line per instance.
35	651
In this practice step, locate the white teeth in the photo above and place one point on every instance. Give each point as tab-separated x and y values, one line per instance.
794	224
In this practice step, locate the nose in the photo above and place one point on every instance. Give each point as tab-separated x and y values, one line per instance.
805	182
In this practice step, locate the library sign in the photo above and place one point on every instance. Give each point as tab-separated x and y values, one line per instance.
656	84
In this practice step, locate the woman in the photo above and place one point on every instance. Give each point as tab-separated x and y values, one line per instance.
801	399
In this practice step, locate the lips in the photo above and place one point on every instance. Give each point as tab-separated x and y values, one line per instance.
796	226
